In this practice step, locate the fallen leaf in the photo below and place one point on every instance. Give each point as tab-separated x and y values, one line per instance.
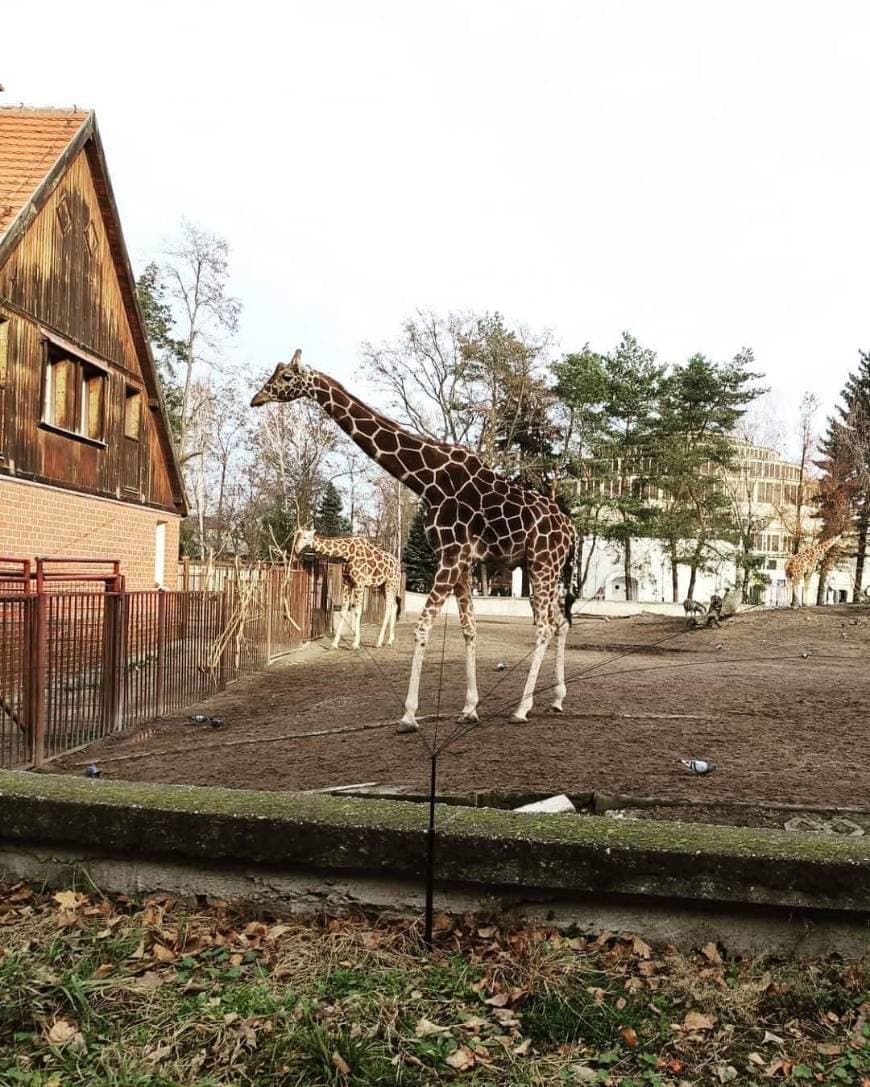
830	1050
157	1053
425	1028
629	1036
461	1059
641	947
711	953
523	1048
104	969
582	1073
162	953
474	1023
757	1059
230	1018
726	1073
698	1021
770	1037
498	1001
340	1063
487	932
69	900
61	1032
148	980
276	930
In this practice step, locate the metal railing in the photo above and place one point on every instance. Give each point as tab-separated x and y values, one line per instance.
79	665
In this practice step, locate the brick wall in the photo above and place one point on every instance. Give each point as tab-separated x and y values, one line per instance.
42	520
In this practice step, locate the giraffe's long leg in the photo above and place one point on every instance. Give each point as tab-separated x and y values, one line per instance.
445	579
394	612
543	587
562	626
469	632
389	606
357	616
342	618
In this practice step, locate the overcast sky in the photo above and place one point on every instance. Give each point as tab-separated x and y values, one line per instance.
697	173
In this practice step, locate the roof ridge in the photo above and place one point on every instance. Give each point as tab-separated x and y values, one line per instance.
21	108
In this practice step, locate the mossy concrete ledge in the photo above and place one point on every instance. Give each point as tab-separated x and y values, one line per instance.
561	855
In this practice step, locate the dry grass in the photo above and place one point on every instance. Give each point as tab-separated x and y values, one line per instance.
110	991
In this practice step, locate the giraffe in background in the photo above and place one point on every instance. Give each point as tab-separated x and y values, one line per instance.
365	567
800	568
473	514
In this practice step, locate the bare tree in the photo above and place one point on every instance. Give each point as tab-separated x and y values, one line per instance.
195	273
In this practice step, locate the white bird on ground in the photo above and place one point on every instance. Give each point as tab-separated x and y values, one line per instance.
699	766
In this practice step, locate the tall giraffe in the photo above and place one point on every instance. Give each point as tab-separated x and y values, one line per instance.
799	568
472	515
365	567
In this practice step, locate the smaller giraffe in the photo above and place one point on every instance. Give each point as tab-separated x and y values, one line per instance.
365	566
800	568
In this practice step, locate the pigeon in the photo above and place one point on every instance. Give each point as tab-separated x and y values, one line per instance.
699	766
216	722
501	666
92	770
199	718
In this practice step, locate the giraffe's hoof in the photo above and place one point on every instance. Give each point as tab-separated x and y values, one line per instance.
519	718
467	718
404	727
556	708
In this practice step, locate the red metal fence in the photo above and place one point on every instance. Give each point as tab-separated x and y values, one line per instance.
78	665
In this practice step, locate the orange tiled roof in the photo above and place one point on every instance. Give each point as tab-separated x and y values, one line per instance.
31	141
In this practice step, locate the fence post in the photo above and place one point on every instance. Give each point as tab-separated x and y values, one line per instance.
160	699
268	598
38	648
226	617
113	654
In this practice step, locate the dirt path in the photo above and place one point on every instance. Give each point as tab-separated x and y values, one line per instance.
778	699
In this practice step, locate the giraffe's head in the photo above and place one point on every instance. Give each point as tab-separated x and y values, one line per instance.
290	381
302	538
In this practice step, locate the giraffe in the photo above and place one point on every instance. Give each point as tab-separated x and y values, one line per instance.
473	514
799	568
365	566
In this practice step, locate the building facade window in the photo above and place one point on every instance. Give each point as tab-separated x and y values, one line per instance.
75	396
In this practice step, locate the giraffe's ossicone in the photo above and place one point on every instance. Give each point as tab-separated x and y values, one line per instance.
473	515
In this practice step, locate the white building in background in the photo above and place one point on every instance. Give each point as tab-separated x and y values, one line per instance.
764	487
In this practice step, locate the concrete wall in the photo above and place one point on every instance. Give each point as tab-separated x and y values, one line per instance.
37	519
316	851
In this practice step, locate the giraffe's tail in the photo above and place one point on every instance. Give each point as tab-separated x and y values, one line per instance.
398	606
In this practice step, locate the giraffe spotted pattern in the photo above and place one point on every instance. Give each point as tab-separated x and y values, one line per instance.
365	567
800	568
473	514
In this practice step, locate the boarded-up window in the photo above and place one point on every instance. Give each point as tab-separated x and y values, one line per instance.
132	413
75	396
132	431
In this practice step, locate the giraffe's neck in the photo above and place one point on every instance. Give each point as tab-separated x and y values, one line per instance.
398	451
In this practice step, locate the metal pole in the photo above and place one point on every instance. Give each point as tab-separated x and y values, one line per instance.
430	854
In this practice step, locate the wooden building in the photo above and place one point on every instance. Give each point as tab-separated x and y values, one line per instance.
87	465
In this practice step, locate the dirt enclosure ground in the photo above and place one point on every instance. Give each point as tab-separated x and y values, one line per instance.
779	699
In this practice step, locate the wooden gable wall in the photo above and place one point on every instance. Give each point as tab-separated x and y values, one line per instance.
62	278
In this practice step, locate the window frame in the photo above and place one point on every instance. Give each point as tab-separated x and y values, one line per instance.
85	371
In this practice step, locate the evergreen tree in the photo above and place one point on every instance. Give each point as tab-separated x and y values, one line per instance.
581	390
328	520
168	352
701	404
631	409
418	557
